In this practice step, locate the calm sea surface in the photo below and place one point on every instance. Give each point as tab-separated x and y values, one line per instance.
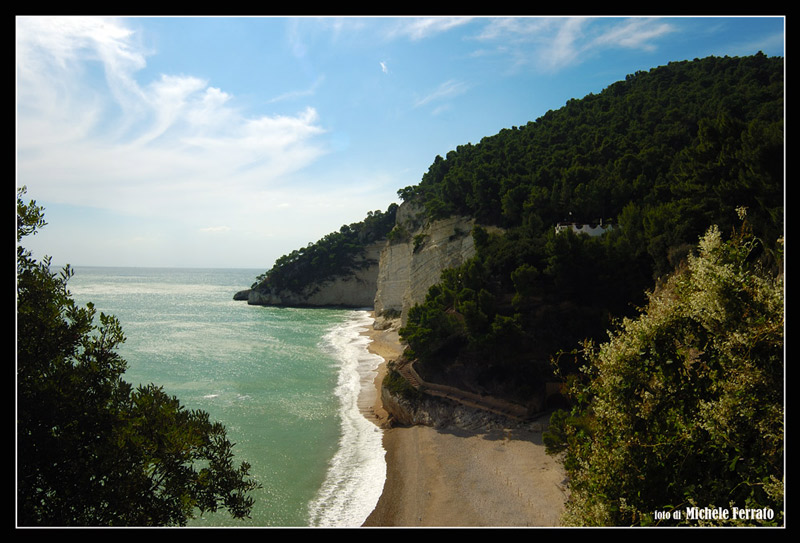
283	381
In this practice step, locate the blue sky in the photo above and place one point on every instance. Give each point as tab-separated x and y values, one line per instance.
228	142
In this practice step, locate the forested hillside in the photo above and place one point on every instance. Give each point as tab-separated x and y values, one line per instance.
661	156
678	418
338	253
666	328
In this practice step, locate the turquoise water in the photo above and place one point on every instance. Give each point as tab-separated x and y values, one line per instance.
283	381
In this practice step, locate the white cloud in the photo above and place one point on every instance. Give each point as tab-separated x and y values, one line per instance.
89	133
214	229
514	28
555	43
634	34
448	89
311	91
425	27
565	46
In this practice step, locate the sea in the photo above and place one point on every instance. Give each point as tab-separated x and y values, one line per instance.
284	381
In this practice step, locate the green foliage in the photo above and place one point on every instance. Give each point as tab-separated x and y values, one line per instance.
336	254
398	385
683	406
660	156
705	134
91	450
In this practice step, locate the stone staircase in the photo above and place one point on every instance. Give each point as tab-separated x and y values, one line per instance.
493	405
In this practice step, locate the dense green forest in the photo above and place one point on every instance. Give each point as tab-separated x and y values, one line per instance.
336	254
661	156
680	414
667	330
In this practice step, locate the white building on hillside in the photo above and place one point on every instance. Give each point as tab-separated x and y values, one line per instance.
588	229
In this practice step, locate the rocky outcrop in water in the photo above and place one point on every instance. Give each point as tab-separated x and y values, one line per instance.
356	289
402	268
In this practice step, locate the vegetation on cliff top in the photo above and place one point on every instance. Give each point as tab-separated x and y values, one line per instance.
661	156
681	412
683	407
337	254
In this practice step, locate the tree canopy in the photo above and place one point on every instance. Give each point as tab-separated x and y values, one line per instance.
660	156
682	409
91	449
336	254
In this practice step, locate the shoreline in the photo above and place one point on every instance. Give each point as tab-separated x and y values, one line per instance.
456	478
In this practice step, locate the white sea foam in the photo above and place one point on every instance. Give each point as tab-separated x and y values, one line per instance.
357	472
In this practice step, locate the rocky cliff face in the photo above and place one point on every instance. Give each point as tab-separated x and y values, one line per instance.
410	265
355	290
442	413
404	268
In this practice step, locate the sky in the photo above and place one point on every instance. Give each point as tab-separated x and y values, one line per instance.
225	142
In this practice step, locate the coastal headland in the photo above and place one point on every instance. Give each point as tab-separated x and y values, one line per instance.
452	477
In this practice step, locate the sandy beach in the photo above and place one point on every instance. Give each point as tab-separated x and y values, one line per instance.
454	478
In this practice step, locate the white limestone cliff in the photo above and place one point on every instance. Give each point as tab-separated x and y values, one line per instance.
403	268
354	290
410	266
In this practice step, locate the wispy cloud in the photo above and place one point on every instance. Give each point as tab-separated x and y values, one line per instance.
446	90
216	229
138	147
555	43
425	27
634	34
303	93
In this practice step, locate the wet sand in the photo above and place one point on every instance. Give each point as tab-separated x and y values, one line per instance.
454	478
